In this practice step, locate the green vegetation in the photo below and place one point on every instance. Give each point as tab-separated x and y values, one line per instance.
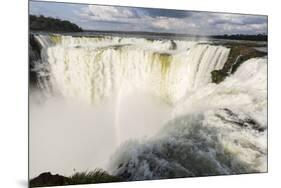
42	23
258	37
96	176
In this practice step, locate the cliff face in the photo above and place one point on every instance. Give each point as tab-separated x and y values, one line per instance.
238	54
34	56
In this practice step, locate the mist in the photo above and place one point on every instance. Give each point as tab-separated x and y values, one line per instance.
66	136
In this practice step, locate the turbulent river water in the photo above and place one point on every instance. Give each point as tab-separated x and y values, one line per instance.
145	109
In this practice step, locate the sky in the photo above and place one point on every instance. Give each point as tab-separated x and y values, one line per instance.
116	18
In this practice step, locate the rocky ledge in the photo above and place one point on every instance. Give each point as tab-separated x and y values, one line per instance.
96	176
239	53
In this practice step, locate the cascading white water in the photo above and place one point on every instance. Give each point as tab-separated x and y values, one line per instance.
221	128
246	90
91	69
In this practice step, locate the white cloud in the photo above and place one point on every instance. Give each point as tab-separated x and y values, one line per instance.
198	23
106	13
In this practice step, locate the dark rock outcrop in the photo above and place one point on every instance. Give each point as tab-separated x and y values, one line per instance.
34	57
173	45
47	179
218	76
96	176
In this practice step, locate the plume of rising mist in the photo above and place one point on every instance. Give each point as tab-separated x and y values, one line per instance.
66	136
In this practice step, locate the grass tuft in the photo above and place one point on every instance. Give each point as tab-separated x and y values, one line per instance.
96	176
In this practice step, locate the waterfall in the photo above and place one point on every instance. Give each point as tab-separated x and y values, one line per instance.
218	130
198	128
92	69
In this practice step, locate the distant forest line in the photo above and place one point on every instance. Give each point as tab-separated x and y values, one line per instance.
258	37
49	24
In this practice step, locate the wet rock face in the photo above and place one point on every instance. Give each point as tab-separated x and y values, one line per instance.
47	179
173	45
218	76
238	55
34	48
34	56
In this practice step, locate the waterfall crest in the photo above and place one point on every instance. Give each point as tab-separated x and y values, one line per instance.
91	69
